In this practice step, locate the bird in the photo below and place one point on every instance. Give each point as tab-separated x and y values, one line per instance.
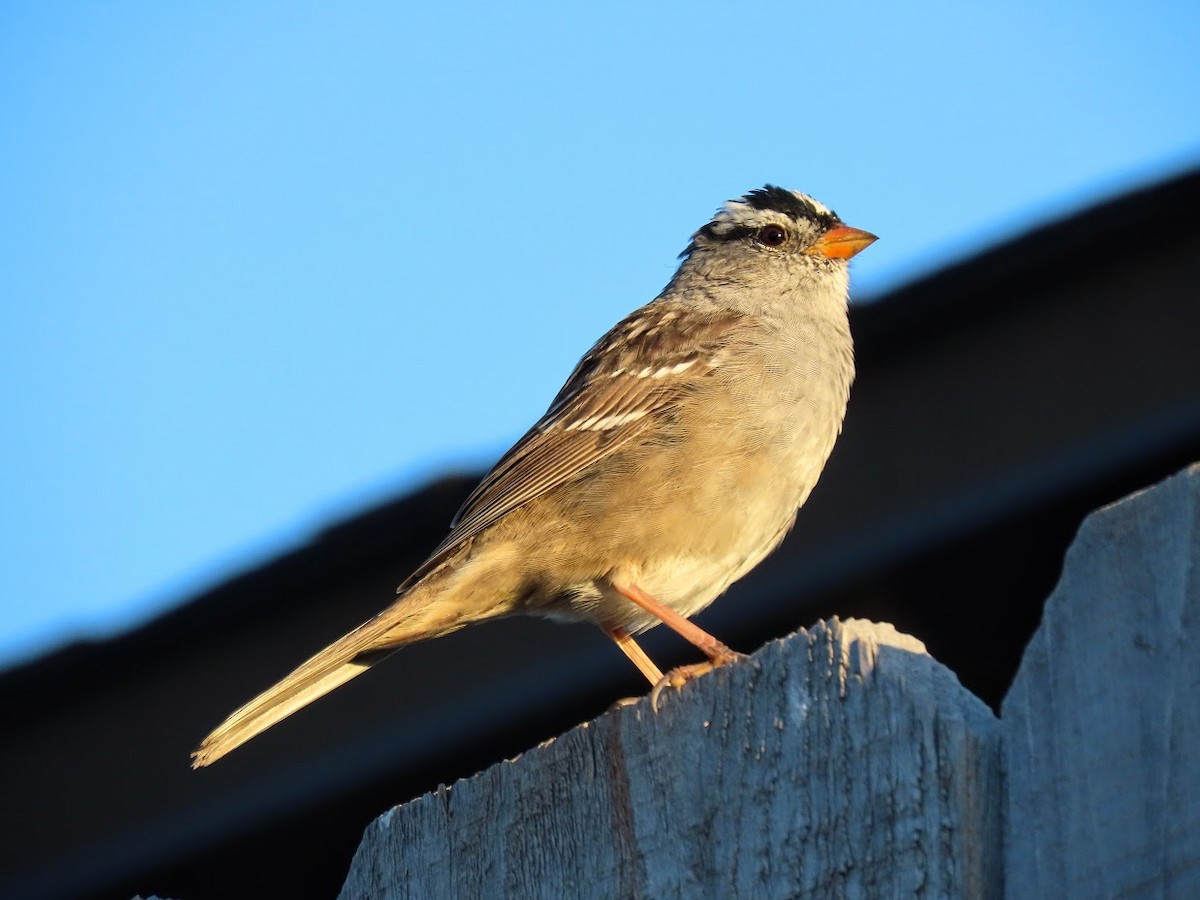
672	461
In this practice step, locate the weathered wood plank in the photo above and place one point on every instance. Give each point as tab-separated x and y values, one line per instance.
1102	724
840	762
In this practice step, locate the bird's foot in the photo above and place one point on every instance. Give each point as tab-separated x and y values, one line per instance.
681	675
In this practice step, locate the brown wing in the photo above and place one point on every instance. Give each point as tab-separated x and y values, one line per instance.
616	395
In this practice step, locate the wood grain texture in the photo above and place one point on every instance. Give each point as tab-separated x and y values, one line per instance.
839	762
1102	724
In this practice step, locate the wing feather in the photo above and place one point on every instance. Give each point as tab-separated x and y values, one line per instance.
618	394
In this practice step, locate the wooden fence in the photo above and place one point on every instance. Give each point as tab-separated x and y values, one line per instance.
843	761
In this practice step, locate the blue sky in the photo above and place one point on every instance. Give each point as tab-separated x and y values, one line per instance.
264	264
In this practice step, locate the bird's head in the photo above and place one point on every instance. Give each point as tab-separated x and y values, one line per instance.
771	233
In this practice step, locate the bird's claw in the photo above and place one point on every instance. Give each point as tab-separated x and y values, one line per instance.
681	675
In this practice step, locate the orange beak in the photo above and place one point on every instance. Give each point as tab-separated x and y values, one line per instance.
842	242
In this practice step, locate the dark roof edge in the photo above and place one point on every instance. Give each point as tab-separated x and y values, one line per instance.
1163	210
384	534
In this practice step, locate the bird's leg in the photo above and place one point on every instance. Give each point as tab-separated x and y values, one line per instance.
636	654
718	654
689	631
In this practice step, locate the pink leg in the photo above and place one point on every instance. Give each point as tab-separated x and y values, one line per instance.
717	653
709	645
631	649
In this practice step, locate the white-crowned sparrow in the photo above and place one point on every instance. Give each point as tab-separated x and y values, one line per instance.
672	461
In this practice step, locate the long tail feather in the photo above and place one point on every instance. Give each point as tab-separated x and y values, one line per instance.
334	666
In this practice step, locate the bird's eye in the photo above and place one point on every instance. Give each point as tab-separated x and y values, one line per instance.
771	235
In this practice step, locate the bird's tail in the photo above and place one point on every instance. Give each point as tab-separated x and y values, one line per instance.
402	623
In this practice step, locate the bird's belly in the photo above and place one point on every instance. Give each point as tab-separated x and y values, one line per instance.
700	542
709	507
